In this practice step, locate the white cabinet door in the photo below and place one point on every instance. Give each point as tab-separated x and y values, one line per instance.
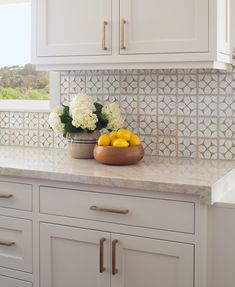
73	27
148	262
70	257
169	26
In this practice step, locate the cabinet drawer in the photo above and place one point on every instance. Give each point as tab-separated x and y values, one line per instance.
131	210
15	195
16	243
10	282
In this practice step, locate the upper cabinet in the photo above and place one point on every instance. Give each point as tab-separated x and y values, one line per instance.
169	26
113	34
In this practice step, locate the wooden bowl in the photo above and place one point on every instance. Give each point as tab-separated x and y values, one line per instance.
118	155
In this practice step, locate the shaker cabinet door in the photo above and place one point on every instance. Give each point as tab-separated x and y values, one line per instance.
157	26
139	262
73	27
72	257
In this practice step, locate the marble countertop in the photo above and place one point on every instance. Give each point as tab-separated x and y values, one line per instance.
208	179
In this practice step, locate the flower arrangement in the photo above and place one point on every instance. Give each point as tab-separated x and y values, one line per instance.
85	115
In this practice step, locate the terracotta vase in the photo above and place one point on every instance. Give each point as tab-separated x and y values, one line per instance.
81	145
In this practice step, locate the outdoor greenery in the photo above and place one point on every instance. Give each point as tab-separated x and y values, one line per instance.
23	83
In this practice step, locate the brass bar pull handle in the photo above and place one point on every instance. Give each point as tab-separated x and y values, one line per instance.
233	56
6	243
114	269
6	195
111	210
102	268
105	24
122	44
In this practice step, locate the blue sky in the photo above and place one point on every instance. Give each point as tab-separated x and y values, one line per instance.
15	29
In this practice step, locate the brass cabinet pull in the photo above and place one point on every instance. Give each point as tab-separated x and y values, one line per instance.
111	210
105	23
102	268
233	56
114	269
6	243
6	195
122	44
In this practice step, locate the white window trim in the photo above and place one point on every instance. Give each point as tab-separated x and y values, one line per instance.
36	105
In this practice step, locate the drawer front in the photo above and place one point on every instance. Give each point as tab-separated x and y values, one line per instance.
16	195
11	282
136	211
16	243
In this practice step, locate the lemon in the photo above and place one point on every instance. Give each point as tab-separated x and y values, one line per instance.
124	134
113	140
134	140
112	135
120	143
104	140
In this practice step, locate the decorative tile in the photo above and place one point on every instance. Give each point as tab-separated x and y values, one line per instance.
167	126
64	84
30	120
187	127
60	142
166	105
148	105
208	149
227	149
111	84
31	138
167	84
16	120
227	106
148	84
43	121
78	85
65	99
187	105
167	146
4	119
208	84
4	136
208	106
187	147
129	84
94	84
207	127
46	138
16	137
227	84
131	123
149	144
129	104
227	128
187	84
111	99
148	125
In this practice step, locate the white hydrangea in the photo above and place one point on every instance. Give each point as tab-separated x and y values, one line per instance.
58	110
113	114
55	123
84	119
83	102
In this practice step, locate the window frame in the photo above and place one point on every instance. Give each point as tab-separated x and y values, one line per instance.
36	105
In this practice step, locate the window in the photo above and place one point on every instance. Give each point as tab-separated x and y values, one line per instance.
21	86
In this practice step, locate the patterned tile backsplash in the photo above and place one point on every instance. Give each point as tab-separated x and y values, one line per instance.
177	113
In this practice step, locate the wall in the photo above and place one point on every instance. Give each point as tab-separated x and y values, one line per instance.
184	113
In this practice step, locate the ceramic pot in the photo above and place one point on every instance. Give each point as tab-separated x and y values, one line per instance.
81	145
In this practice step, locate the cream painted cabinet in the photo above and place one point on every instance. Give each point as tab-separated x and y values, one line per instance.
73	27
157	26
78	257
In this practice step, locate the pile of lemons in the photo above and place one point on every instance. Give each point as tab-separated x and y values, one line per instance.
121	138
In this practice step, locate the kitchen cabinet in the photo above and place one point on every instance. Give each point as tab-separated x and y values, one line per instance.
127	34
71	256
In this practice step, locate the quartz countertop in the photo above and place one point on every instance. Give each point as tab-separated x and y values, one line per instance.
209	179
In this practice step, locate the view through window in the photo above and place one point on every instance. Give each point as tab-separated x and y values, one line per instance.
19	79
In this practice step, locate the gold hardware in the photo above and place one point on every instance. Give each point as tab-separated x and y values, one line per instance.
114	269
6	243
5	195
102	268
122	44
111	210
105	23
233	56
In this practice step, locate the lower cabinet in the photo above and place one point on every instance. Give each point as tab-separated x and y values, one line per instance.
72	257
10	282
